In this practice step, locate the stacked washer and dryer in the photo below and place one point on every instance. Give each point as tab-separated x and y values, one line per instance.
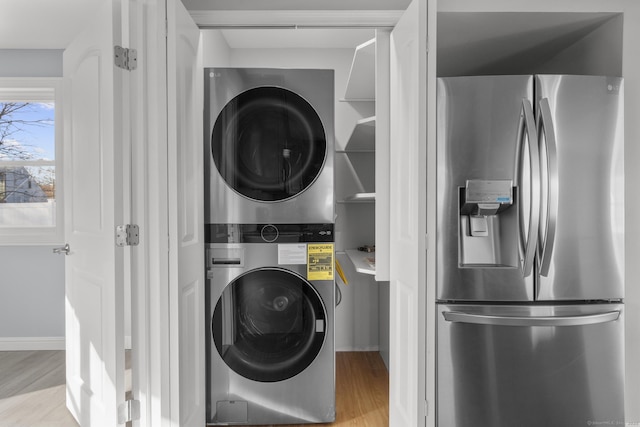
269	255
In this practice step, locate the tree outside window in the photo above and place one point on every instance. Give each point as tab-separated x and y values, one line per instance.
29	159
27	134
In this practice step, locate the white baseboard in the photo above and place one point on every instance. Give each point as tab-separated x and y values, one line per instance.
31	343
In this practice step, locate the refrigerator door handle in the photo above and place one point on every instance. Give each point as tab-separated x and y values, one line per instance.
528	233
546	129
485	319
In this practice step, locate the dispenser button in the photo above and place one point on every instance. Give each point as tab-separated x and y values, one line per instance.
478	226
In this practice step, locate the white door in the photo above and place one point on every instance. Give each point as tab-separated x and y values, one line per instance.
94	266
407	216
186	217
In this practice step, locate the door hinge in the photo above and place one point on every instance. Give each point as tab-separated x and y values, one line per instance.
125	58
127	235
129	411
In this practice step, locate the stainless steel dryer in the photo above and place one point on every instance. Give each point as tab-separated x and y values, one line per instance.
269	142
270	324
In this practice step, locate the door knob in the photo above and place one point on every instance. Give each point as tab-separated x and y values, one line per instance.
62	250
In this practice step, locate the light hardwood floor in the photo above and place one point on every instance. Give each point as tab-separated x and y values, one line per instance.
32	390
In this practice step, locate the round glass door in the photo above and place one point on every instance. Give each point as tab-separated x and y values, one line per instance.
268	144
269	324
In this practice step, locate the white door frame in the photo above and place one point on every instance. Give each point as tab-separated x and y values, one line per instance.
149	290
155	357
156	319
428	274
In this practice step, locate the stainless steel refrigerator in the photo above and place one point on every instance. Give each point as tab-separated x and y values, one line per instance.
530	251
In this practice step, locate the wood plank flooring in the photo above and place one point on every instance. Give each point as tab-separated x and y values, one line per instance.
362	391
32	390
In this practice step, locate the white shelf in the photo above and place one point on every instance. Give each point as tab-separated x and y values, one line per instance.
361	85
364	262
363	136
359	198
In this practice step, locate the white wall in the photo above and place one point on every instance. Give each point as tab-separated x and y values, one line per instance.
31	293
30	63
31	277
357	315
631	74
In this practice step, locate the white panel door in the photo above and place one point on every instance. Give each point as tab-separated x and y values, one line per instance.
186	213
407	216
94	304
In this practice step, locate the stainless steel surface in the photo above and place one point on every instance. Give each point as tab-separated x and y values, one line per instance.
587	260
532	363
527	172
483	319
309	396
549	185
315	204
530	376
476	139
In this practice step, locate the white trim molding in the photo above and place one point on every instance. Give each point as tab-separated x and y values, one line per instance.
31	343
295	18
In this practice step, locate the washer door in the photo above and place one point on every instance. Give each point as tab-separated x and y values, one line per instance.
268	144
269	324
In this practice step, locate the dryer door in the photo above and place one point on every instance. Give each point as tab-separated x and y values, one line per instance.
269	324
268	144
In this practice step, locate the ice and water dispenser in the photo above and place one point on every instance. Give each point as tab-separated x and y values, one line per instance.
488	233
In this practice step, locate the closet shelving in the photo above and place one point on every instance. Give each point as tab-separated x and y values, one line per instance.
364	262
360	148
362	79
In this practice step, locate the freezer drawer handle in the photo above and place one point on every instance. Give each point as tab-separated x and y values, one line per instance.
484	319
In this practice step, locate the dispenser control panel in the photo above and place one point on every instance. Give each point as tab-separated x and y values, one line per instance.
489	191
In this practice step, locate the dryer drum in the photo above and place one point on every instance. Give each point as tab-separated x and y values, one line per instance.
266	325
268	144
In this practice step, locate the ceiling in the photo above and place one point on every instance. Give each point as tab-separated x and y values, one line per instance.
52	24
42	24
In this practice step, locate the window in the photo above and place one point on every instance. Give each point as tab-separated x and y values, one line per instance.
30	161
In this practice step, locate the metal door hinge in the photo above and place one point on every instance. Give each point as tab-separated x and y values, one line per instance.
125	58
127	235
129	411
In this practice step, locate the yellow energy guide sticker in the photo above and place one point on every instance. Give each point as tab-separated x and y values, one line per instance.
320	261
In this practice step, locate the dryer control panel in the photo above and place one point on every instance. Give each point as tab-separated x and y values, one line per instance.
269	233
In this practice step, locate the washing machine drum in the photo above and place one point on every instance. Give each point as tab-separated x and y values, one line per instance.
268	144
269	325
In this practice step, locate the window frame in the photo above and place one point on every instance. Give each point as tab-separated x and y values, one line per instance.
30	89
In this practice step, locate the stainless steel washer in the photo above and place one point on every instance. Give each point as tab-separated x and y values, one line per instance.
270	324
269	143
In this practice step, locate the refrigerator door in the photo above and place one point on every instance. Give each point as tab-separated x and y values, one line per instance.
479	139
530	366
581	246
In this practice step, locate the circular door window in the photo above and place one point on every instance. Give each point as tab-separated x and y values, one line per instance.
269	325
268	144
